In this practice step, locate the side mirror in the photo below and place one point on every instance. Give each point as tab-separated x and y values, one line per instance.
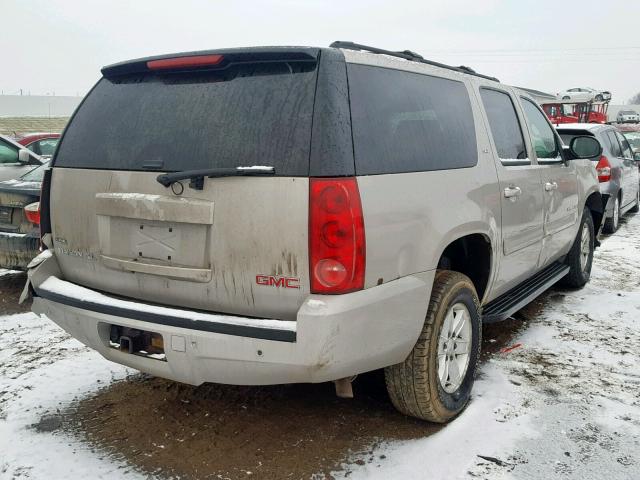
24	156
584	147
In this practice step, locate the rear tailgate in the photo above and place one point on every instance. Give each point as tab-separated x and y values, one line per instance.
237	246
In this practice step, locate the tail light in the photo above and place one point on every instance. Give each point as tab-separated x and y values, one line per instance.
32	212
604	169
336	236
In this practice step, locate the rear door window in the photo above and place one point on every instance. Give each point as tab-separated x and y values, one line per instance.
244	115
505	127
542	136
409	122
616	151
626	148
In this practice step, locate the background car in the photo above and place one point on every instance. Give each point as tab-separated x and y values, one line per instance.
616	167
628	116
20	219
44	144
584	94
15	159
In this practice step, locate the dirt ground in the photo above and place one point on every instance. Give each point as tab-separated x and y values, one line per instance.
219	431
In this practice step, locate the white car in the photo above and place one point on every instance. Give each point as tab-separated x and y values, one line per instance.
584	95
628	116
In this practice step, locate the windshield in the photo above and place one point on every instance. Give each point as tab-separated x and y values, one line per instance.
35	175
248	114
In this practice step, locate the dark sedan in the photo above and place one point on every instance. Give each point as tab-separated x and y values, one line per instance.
20	219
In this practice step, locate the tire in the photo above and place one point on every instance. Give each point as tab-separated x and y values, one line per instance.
612	223
598	98
580	257
636	206
414	385
566	97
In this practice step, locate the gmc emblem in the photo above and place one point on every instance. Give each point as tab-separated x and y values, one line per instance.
278	281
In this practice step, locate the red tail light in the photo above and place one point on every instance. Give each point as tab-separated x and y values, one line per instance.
32	212
604	169
184	62
336	236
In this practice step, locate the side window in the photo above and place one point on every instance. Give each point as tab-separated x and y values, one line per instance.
626	148
409	122
542	137
616	151
505	127
8	153
47	146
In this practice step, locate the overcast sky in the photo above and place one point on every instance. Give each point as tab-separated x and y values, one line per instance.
59	46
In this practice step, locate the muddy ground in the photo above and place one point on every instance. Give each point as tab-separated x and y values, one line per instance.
174	430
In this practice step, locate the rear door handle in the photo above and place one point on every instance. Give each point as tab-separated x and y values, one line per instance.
511	192
550	186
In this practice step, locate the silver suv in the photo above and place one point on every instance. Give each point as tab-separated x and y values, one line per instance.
616	168
277	215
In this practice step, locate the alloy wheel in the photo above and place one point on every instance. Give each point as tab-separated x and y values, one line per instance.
454	347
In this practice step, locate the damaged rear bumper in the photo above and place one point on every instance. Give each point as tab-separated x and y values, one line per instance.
332	337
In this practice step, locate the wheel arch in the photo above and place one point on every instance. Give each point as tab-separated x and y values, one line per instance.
471	254
596	206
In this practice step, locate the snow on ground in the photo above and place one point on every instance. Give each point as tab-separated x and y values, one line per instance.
566	404
42	369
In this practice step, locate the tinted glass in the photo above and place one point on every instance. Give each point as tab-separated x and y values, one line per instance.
616	151
504	124
408	122
542	137
8	153
251	114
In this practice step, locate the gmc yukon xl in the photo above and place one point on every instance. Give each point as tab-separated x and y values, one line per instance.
290	214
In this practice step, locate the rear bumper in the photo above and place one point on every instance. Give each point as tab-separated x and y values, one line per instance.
333	336
17	250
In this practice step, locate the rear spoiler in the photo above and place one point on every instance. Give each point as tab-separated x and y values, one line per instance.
211	59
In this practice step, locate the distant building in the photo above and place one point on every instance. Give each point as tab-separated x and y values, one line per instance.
37	106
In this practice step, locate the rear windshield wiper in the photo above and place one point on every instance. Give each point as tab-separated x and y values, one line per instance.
196	177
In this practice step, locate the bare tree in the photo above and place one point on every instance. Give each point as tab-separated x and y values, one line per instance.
635	100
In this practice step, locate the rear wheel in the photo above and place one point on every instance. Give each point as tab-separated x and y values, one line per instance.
566	97
611	223
434	382
580	256
599	98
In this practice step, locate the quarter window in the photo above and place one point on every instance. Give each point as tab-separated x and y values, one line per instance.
542	136
409	122
505	127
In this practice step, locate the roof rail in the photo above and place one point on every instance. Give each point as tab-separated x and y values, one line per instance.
408	55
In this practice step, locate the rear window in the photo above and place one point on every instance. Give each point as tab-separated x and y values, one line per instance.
249	114
409	122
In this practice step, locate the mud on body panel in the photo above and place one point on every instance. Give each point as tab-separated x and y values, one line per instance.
234	247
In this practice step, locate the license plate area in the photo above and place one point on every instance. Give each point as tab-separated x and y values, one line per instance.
6	213
137	342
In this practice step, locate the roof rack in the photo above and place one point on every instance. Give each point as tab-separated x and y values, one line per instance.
408	55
